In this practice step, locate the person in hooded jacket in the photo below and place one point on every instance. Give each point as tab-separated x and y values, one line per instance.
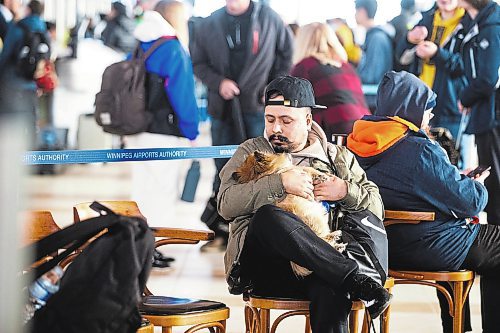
171	99
480	51
17	93
413	173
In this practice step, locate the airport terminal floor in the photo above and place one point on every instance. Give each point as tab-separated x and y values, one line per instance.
193	274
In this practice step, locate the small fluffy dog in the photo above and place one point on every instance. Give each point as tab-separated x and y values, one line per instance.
313	213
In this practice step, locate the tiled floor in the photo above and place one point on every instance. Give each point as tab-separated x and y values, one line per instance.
193	274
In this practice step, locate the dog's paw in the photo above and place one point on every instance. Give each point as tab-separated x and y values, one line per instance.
299	270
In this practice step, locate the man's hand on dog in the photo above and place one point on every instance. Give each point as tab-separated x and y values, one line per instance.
332	189
298	182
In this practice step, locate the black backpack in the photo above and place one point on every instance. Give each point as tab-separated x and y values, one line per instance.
101	290
34	52
120	106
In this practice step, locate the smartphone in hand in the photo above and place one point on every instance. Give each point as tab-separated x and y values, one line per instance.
477	171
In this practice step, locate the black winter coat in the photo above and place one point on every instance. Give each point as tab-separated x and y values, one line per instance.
270	49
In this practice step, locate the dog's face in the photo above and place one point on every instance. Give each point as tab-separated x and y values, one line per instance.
258	165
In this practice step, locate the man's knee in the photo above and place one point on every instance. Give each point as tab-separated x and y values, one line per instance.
272	220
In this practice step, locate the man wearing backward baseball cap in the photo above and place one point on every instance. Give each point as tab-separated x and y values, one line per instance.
264	239
413	173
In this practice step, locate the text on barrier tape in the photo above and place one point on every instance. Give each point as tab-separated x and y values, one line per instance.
126	155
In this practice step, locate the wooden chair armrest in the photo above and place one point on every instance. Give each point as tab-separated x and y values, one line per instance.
409	216
406	217
187	234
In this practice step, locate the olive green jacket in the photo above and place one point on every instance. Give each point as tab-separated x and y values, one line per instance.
238	202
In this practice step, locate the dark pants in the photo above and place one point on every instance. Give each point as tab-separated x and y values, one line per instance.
484	259
488	151
275	238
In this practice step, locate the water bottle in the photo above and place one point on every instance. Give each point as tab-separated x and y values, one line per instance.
192	179
41	290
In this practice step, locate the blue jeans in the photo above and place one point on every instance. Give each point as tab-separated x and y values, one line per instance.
224	133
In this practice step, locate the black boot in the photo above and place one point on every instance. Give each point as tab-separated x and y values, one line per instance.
365	288
160	261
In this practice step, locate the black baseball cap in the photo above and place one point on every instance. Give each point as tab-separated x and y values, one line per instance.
297	92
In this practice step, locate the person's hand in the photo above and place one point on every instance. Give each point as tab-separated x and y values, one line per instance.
482	176
426	50
417	34
332	189
298	182
228	89
462	109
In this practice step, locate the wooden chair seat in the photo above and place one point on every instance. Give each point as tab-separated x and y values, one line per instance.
258	313
460	281
214	319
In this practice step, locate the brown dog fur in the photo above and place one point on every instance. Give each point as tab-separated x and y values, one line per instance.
258	165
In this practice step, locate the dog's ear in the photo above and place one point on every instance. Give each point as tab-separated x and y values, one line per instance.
259	157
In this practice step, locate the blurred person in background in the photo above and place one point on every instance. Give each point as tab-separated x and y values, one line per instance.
431	50
346	37
377	56
118	33
171	99
242	47
18	94
8	10
320	58
481	60
402	23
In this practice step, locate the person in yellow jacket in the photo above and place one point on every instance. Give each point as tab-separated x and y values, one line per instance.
431	49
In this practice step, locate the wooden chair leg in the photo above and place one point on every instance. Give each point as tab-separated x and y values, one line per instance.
264	315
166	330
367	323
384	318
354	321
248	319
308	324
458	306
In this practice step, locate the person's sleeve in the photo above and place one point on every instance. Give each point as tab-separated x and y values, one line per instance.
283	52
449	62
10	44
487	68
361	193
439	183
201	61
376	59
235	199
179	85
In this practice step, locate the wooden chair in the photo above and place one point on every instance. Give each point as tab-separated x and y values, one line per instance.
209	314
460	281
258	313
37	224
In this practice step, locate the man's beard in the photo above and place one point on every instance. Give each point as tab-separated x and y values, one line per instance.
280	148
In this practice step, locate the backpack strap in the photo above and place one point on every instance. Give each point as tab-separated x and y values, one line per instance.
70	238
155	45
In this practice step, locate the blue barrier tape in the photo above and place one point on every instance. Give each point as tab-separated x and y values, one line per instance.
126	155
